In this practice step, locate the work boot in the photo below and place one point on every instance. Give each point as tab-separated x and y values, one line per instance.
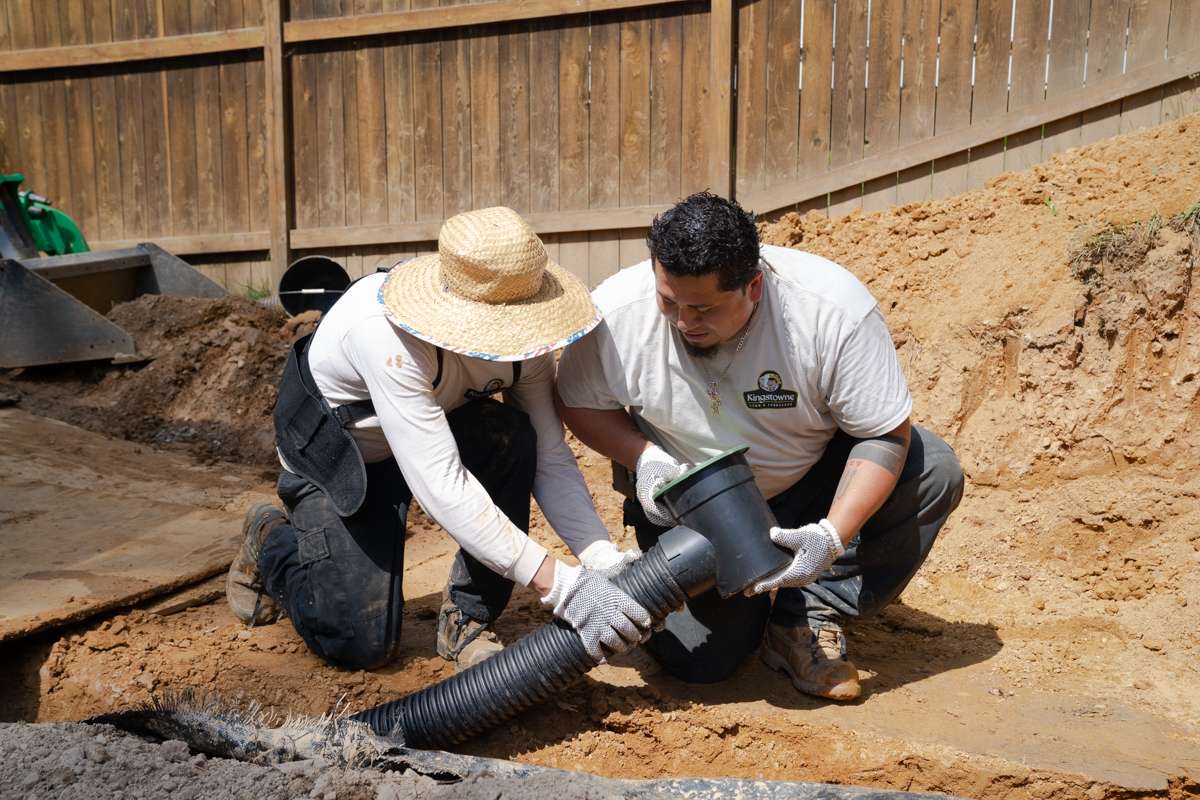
815	660
243	584
461	639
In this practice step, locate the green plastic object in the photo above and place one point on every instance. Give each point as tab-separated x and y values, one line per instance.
666	487
54	233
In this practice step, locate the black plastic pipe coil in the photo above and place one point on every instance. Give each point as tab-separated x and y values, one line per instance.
541	664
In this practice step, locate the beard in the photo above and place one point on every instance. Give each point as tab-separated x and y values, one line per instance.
696	351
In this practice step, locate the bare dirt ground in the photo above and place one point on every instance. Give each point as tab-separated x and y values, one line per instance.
1047	649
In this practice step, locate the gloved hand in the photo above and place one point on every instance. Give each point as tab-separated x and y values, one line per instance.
816	546
603	556
656	467
606	619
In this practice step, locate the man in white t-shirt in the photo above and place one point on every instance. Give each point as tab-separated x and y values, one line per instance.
390	401
717	342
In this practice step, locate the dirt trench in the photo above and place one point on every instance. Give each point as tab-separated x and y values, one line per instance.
1049	330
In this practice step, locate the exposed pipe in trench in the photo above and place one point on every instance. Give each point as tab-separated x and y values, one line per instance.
682	564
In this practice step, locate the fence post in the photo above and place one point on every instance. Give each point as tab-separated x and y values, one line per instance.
279	161
722	39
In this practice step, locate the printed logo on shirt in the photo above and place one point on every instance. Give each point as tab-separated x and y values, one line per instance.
770	394
493	386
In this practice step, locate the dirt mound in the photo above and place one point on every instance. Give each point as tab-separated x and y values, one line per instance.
1049	330
209	384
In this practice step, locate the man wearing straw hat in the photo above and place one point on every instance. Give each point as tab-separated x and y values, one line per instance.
718	342
391	400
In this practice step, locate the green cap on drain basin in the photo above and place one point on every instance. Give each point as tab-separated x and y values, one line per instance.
672	484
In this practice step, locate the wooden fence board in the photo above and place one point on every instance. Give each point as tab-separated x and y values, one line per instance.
399	124
635	65
573	45
235	128
604	116
515	156
1030	30
159	215
847	131
573	254
1068	43
989	97
456	123
485	118
179	129
722	45
1181	97
10	136
632	248
544	118
1148	28
666	108
604	254
48	32
370	68
351	148
883	99
782	105
303	65
1184	26
1105	61
694	168
208	107
131	151
79	123
330	164
957	28
604	138
28	99
427	123
573	128
753	18
918	93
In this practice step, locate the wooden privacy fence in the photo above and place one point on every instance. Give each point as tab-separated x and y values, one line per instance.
241	132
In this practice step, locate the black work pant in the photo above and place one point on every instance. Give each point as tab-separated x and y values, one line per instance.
706	640
339	578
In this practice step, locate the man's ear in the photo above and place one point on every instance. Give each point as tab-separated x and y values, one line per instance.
755	287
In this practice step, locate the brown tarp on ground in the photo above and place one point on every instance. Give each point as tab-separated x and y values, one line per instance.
89	523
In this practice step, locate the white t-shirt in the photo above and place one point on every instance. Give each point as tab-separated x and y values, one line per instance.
817	357
357	353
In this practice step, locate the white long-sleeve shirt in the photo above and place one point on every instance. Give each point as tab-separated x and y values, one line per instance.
357	354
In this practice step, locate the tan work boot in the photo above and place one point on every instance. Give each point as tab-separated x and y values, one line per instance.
461	639
814	660
243	584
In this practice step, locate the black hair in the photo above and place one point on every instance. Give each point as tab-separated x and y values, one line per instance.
705	233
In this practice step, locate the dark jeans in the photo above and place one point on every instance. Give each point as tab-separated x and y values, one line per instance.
339	578
706	640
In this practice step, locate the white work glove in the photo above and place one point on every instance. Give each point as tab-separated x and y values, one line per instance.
655	467
816	546
606	619
603	556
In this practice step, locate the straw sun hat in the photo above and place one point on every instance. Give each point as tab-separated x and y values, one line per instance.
489	292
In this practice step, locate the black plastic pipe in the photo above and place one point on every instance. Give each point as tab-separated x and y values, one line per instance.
682	564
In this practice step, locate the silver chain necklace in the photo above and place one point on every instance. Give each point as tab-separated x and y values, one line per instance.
714	394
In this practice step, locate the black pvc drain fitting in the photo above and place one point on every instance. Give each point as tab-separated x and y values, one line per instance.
719	499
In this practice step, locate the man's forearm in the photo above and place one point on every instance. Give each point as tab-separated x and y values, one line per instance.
871	473
610	432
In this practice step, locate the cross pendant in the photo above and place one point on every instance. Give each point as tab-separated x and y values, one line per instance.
714	401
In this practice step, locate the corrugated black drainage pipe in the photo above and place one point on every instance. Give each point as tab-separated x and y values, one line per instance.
682	564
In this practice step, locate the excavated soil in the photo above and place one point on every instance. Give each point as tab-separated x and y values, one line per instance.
1049	648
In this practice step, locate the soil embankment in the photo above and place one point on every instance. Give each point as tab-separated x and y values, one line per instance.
1050	332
